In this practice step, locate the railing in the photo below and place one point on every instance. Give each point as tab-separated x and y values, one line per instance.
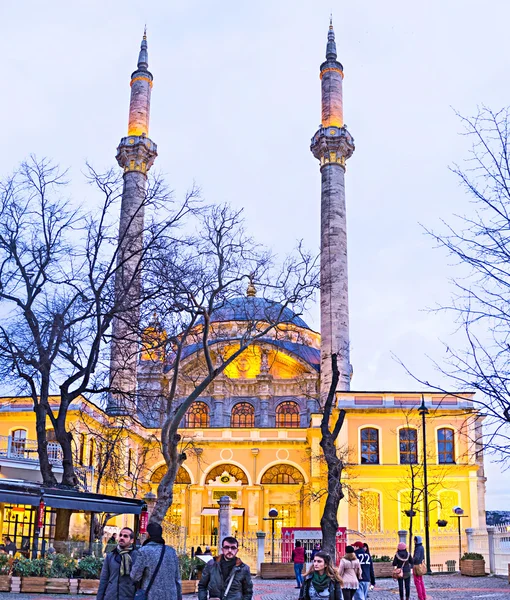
26	450
494	544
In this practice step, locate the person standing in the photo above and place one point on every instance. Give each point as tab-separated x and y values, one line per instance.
10	546
111	544
350	571
322	581
367	571
402	570
419	567
115	582
226	577
316	548
298	558
157	567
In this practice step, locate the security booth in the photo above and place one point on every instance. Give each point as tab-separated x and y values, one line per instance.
36	517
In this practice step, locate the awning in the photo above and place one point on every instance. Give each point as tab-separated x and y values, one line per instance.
213	512
21	492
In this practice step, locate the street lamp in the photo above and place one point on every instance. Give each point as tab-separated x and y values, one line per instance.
424	411
273	516
459	513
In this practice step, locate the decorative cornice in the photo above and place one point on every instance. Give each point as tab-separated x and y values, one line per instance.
332	146
141	78
337	69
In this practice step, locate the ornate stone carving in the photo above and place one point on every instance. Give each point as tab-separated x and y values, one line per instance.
332	145
136	153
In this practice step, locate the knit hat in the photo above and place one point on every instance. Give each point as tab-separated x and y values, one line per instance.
418	539
358	544
154	530
401	546
349	550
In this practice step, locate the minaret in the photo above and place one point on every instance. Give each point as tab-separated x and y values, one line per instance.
135	154
332	145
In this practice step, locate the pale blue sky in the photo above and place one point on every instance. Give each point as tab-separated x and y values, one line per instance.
236	99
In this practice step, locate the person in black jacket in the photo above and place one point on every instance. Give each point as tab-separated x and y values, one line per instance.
115	582
322	580
226	571
403	561
367	571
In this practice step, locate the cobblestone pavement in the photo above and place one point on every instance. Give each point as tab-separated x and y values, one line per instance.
439	587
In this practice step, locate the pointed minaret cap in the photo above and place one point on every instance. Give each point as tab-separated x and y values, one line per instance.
143	57
331	47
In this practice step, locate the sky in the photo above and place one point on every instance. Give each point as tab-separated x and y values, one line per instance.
236	99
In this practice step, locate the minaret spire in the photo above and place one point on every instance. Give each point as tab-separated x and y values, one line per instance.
135	154
332	145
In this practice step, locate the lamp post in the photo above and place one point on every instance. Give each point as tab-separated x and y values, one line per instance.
459	513
273	516
424	411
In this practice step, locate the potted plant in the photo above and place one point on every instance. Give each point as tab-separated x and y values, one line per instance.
61	570
410	513
442	523
383	566
33	573
5	569
188	569
90	571
472	564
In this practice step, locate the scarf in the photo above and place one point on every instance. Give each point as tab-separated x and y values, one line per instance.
125	560
320	582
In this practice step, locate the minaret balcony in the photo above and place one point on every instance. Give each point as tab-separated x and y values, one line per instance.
332	145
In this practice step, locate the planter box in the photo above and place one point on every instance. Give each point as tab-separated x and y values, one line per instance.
33	585
73	586
472	568
5	583
277	570
57	585
88	586
189	586
16	585
382	569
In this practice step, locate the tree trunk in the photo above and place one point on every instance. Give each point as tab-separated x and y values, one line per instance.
62	524
45	467
65	439
329	519
166	486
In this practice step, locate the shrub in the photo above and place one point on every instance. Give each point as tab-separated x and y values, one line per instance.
189	566
26	567
472	556
5	564
62	566
90	567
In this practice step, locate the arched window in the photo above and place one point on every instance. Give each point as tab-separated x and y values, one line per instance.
408	444
182	476
445	446
370	512
369	446
197	416
82	448
282	474
92	451
287	414
243	415
227	471
18	442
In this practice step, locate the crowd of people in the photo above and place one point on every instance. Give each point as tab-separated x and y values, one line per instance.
354	577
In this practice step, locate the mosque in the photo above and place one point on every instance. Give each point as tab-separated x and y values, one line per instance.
256	430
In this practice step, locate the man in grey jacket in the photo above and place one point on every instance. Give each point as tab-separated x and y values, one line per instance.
167	583
226	572
115	582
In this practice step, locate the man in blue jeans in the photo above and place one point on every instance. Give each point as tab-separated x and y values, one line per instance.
367	571
298	558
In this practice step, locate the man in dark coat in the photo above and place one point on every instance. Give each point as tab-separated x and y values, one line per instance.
226	571
115	582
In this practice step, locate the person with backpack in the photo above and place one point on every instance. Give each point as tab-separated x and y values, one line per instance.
157	568
349	570
419	568
322	581
367	571
298	558
115	582
402	570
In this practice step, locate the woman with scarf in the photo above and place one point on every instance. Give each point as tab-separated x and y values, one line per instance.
322	581
350	571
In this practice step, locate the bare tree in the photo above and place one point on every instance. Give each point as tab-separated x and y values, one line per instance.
331	425
198	279
57	287
481	302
